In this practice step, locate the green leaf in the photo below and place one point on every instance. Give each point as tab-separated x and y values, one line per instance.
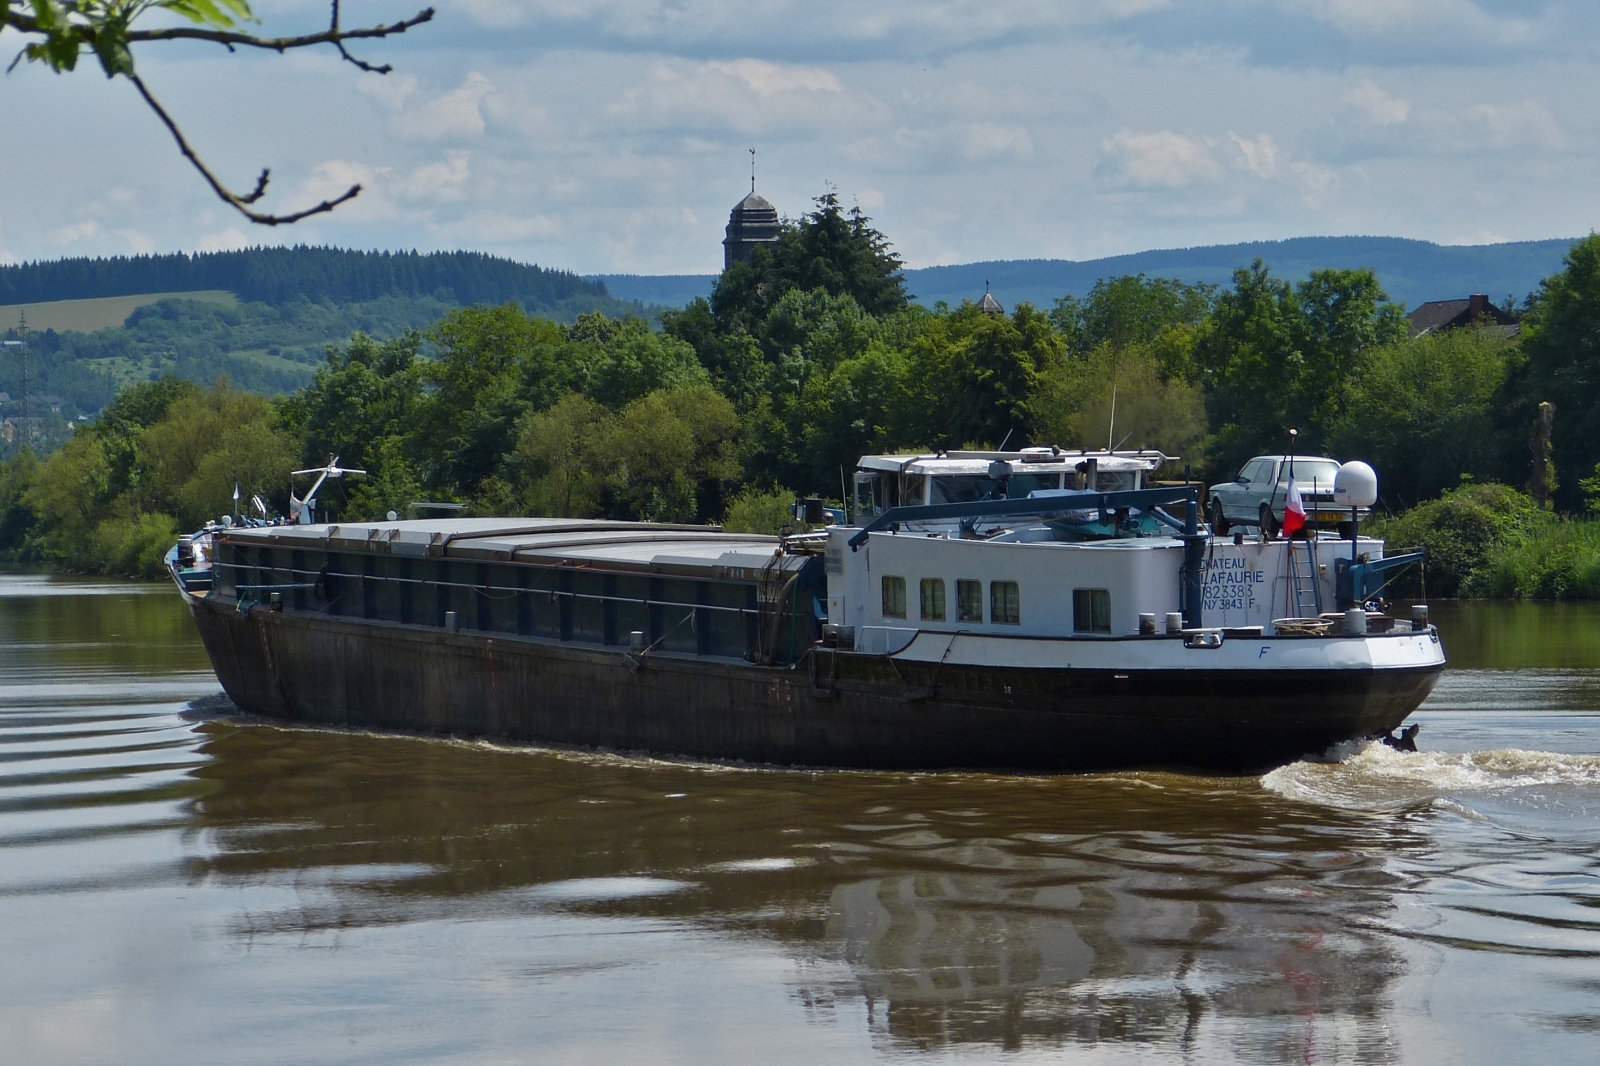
222	14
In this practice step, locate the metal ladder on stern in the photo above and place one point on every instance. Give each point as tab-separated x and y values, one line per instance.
1304	592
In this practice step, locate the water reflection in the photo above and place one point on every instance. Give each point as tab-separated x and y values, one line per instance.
964	909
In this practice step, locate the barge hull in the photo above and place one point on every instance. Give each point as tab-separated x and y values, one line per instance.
833	709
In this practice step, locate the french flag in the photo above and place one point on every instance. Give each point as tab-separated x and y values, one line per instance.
1294	511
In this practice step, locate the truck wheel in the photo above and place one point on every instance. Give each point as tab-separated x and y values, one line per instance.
1219	521
1269	525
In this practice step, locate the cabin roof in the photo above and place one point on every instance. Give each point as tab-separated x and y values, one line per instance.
978	464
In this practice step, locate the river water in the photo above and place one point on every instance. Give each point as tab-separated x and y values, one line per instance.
182	885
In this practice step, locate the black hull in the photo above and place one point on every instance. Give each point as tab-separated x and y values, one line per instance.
835	709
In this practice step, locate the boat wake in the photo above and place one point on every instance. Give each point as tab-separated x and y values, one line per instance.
1376	777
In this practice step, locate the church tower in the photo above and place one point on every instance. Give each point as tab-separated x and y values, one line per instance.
752	222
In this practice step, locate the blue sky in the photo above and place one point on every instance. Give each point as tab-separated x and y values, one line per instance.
612	135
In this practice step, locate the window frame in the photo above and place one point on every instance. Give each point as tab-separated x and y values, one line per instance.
924	587
1084	621
1009	618
962	585
893	581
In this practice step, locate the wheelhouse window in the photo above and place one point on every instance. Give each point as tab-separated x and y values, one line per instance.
1021	484
933	599
894	597
1005	603
961	488
1091	610
969	601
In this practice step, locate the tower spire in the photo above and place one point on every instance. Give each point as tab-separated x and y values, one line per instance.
752	170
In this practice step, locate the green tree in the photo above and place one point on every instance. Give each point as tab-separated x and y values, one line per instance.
1073	403
1424	412
859	408
1127	310
667	456
1561	342
494	365
972	376
1272	356
18	518
627	359
364	397
557	459
209	442
768	512
670	455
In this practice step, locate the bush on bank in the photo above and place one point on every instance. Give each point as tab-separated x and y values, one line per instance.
1491	540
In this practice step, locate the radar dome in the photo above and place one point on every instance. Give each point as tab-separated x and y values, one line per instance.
1355	485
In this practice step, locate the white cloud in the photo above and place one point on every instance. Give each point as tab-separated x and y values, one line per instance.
769	79
331	178
139	242
1377	106
78	231
453	115
1162	158
1528	122
442	181
1260	154
226	240
984	140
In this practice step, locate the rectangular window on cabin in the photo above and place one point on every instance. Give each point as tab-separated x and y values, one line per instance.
933	599
894	597
969	601
1005	603
1091	611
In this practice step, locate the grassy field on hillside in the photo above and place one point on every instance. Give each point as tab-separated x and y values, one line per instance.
102	313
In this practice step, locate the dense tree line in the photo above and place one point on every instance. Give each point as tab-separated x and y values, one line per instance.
811	355
277	275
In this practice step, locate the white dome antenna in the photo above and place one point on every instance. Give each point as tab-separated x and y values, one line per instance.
1355	485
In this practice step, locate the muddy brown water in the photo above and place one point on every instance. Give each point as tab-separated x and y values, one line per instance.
182	884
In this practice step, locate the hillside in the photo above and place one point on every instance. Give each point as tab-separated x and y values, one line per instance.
99	312
1412	272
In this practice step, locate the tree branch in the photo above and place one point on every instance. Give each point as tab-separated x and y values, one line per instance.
332	35
239	203
111	39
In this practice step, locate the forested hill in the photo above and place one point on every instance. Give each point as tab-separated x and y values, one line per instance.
278	275
1411	272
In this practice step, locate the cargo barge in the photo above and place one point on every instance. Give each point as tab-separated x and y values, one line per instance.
1065	630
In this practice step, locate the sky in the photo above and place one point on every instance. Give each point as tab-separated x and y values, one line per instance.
613	136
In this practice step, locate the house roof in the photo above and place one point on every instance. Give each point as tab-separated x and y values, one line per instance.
1436	315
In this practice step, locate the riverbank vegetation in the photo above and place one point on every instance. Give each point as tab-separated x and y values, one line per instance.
811	355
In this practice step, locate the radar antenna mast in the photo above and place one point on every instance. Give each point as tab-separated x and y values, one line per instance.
303	510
